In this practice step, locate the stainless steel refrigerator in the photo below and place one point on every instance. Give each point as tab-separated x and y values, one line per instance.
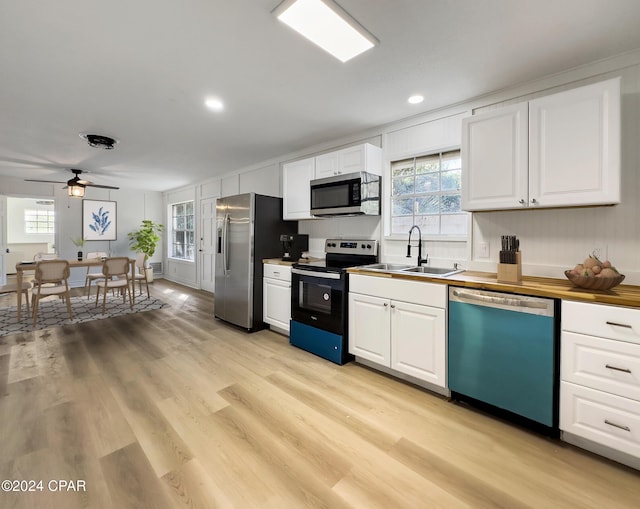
248	230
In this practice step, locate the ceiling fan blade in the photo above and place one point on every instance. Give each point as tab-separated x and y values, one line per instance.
46	181
102	187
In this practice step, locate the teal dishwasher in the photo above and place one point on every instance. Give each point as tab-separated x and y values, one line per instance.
503	355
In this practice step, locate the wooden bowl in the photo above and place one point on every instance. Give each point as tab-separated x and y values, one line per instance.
594	283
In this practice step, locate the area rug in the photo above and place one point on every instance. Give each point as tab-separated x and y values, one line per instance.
53	312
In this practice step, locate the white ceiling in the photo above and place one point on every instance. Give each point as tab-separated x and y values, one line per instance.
140	71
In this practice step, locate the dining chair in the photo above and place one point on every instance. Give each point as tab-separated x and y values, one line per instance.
52	278
141	273
13	287
116	275
93	276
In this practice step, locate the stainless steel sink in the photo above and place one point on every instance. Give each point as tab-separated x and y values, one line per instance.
411	269
432	271
386	267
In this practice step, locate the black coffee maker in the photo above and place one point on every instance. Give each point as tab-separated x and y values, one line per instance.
293	245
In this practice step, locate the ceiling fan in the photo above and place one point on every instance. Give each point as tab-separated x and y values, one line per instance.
76	185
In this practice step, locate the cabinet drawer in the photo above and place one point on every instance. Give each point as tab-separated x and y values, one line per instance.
417	292
603	418
603	364
281	272
611	322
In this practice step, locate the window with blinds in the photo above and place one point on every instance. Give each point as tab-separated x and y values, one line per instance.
426	191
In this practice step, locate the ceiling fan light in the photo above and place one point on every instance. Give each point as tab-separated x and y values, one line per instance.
76	190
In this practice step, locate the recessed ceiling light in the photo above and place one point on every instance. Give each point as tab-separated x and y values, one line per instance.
214	104
326	24
416	99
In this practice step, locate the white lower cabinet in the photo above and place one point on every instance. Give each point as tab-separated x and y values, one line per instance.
276	296
600	379
400	325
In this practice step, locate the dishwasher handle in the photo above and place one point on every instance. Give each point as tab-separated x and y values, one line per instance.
504	301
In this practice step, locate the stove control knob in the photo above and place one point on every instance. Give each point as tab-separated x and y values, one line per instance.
368	246
363	246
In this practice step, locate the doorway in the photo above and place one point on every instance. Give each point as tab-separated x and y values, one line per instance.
27	228
206	250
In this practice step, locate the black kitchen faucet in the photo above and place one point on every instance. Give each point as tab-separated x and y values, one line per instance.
420	259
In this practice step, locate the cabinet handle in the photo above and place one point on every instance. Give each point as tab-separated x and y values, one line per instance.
616	324
385	304
625	428
534	201
393	306
624	370
522	202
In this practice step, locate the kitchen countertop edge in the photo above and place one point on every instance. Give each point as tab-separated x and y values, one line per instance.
280	261
622	295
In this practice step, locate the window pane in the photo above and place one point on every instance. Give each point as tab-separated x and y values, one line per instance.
189	222
427	183
403	185
180	223
189	207
402	168
401	225
451	180
428	204
451	161
402	207
429	225
178	209
428	164
450	203
455	224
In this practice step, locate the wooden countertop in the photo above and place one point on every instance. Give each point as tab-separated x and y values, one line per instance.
622	295
280	261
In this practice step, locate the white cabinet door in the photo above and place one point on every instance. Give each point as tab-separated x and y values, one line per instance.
369	327
364	157
327	165
418	339
277	303
296	191
574	143
495	159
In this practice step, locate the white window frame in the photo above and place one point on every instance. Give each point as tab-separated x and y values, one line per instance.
389	204
171	238
49	219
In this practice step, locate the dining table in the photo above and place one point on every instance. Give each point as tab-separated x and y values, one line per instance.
21	267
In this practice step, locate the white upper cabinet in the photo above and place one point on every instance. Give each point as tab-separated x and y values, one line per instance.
495	148
561	150
296	190
364	157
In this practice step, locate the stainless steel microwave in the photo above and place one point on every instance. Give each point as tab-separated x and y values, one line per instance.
352	194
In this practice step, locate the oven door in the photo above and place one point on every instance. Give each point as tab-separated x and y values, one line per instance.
318	298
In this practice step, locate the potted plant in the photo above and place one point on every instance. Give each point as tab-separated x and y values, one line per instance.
145	240
78	242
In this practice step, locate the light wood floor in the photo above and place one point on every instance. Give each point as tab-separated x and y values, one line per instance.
171	409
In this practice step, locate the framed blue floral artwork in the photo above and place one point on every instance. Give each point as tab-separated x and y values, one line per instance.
98	220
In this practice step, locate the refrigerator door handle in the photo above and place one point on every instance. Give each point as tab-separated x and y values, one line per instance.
225	236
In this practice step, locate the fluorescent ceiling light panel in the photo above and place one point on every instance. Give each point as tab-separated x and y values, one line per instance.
326	24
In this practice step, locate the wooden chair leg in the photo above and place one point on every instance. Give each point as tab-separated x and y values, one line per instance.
68	299
104	300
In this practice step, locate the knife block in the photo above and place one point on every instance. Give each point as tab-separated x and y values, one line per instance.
511	272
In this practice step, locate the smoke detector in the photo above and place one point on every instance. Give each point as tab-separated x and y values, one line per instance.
99	141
